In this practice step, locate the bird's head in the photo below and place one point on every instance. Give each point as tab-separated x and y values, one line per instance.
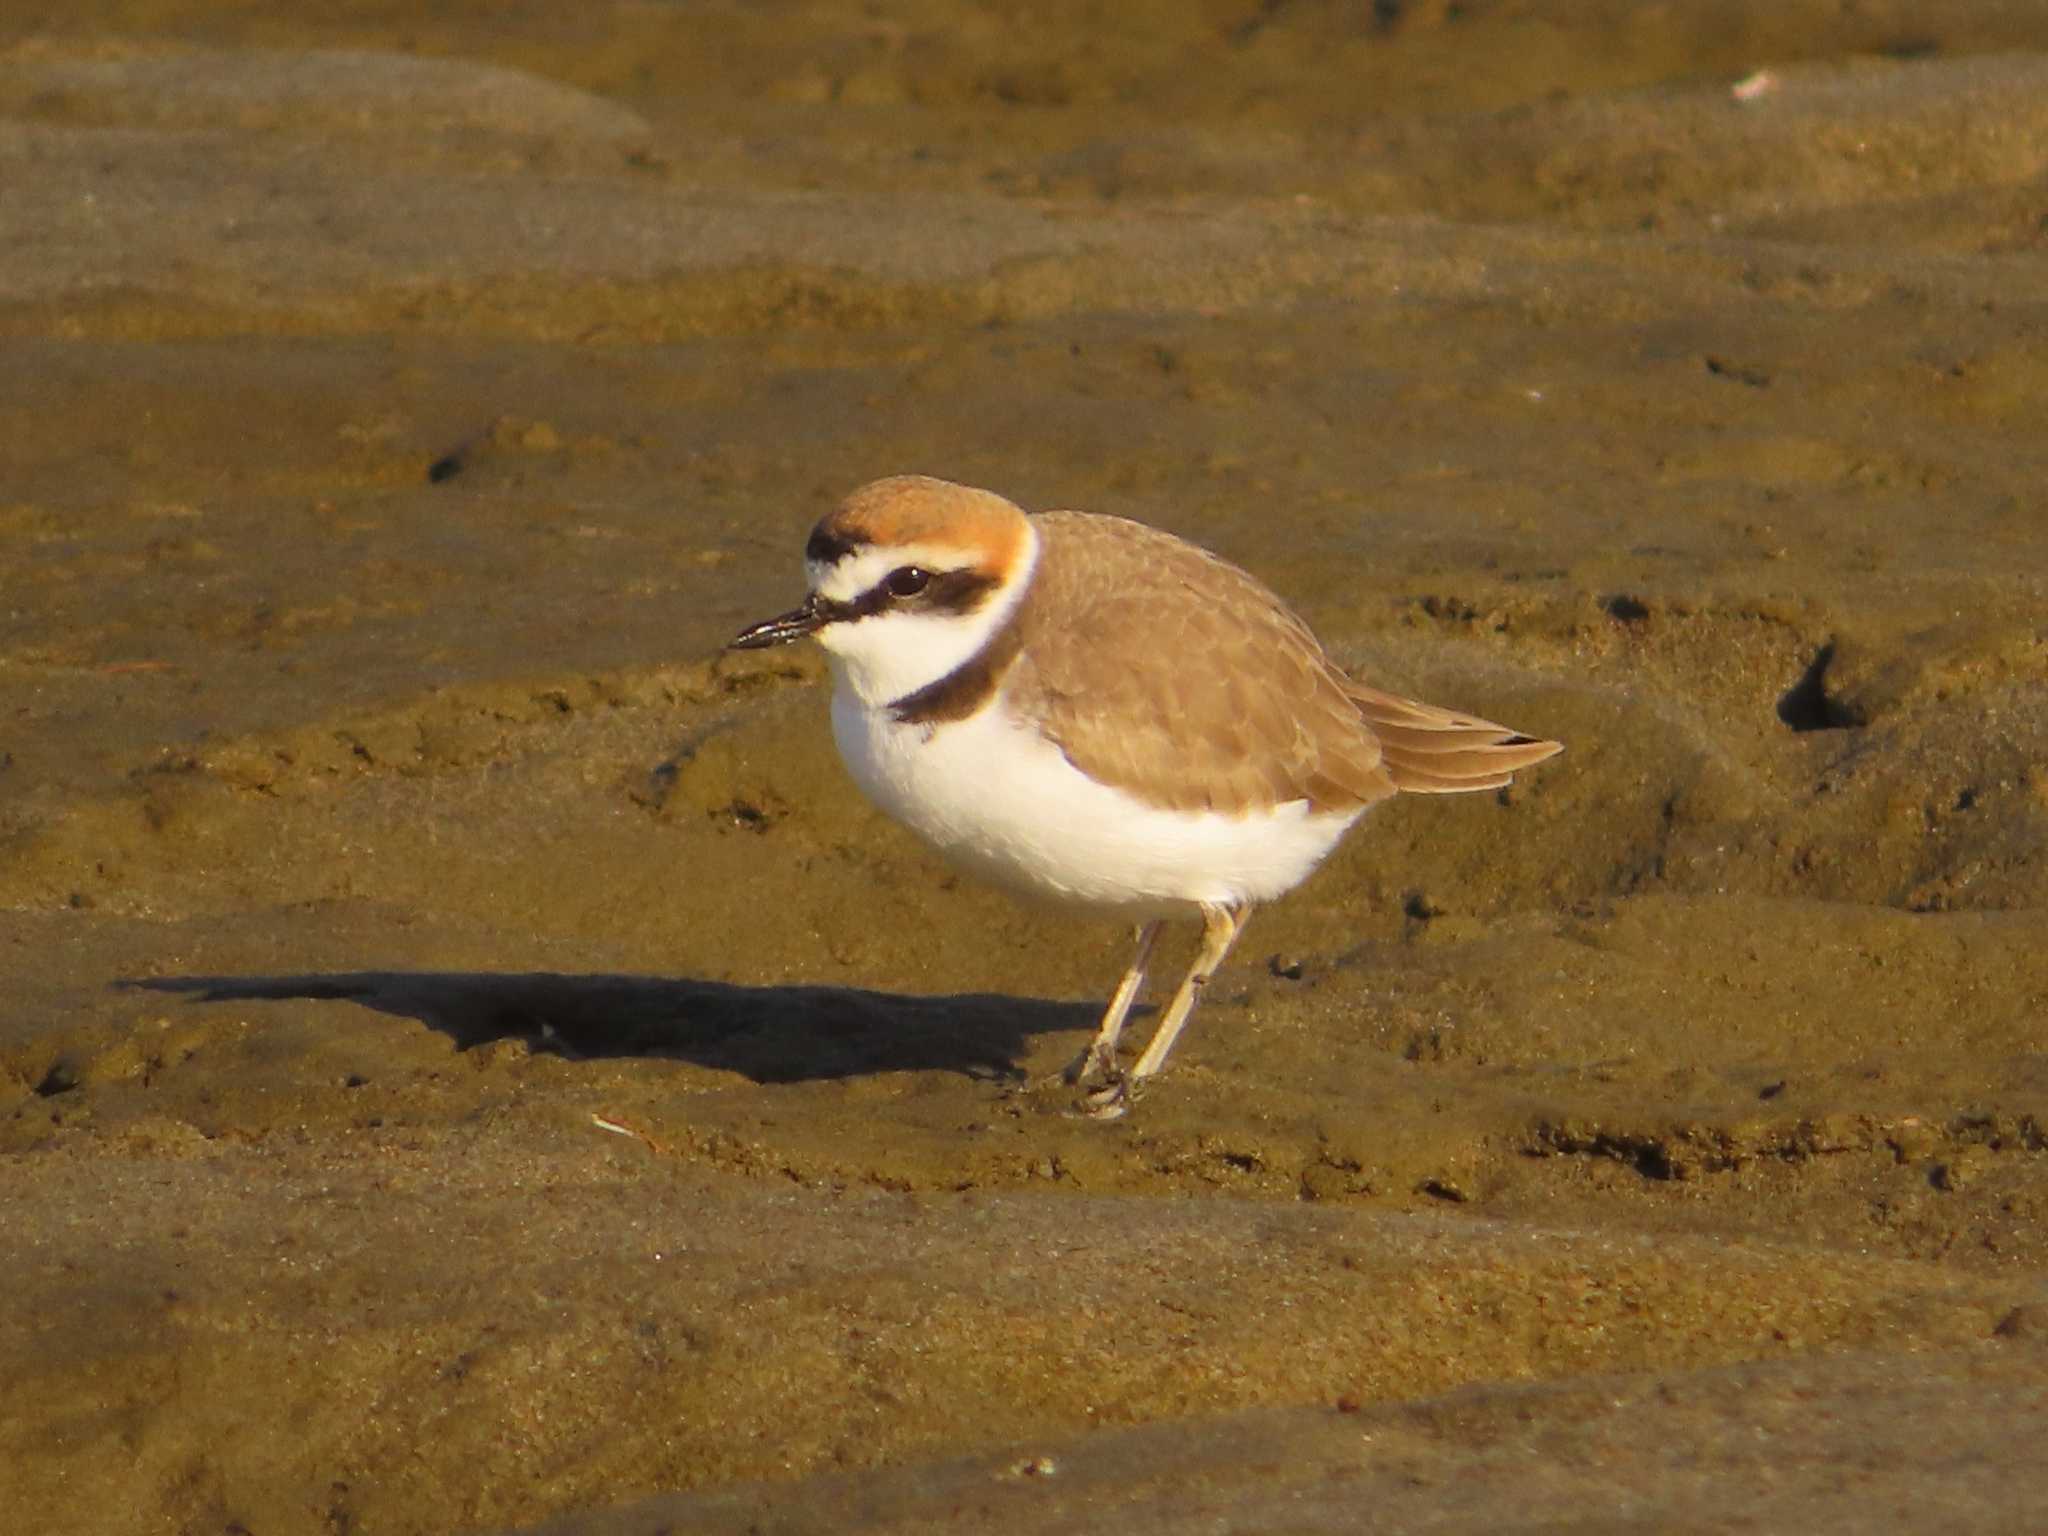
909	578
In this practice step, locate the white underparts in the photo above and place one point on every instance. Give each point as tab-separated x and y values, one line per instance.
998	798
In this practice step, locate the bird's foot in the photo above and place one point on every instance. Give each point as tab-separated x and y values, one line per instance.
1106	1091
1111	1101
1092	1062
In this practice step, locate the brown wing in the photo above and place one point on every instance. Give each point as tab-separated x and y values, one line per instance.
1439	751
1165	671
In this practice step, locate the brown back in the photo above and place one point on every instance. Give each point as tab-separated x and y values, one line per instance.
1224	702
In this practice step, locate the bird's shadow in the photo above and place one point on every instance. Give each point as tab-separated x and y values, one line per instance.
769	1034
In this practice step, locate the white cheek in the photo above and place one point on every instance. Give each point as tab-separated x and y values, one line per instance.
887	656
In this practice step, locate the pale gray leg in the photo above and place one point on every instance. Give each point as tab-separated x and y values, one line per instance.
1220	927
1100	1055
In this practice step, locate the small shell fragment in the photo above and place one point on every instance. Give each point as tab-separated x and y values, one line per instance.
1754	86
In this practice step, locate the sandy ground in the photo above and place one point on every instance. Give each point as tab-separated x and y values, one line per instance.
472	1062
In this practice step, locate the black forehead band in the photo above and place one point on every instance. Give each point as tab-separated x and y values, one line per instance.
830	548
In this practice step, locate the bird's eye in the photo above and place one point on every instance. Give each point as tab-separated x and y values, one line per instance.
907	581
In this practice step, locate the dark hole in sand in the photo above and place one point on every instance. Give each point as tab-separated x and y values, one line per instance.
1808	706
1740	373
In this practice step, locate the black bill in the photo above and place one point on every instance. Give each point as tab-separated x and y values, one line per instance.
794	625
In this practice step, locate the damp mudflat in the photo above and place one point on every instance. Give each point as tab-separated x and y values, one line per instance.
471	1060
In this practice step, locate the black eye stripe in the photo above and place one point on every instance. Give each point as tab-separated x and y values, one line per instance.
957	591
946	592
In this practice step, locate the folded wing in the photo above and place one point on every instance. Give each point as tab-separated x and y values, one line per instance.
1168	672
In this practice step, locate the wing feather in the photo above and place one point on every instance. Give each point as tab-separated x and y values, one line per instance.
1163	670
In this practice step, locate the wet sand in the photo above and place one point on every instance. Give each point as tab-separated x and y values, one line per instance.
475	1063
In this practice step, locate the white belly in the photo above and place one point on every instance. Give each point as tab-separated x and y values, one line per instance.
1000	800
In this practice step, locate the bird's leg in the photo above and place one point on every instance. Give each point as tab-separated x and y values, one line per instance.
1100	1054
1220	927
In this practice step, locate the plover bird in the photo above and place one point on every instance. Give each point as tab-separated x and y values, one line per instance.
1084	708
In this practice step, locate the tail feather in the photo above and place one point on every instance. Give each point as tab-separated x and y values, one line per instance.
1427	750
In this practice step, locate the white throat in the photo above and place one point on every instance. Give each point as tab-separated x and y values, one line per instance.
888	656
